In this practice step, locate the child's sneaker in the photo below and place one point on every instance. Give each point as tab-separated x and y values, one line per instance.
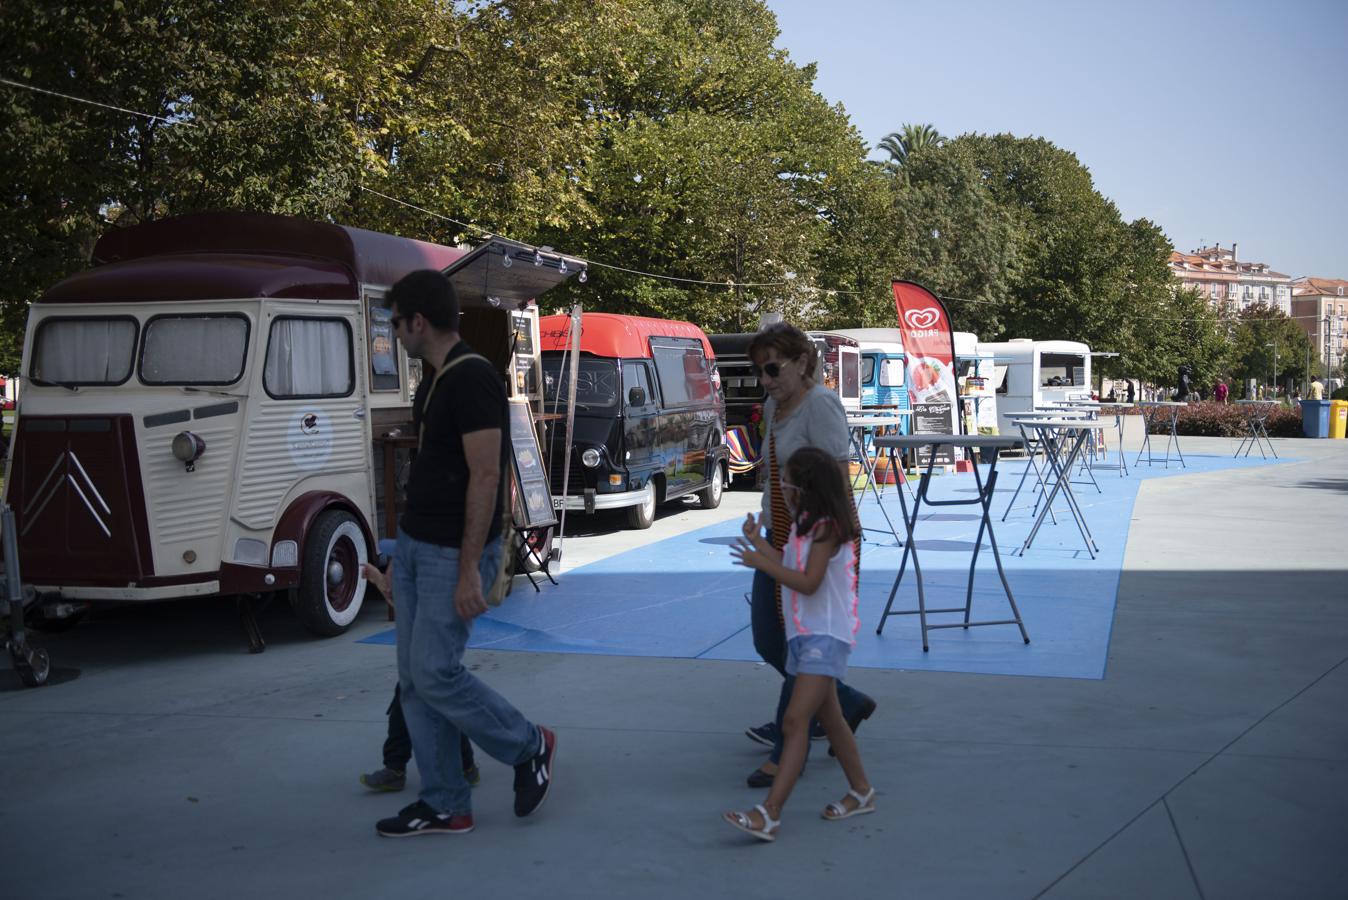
420	818
534	777
385	779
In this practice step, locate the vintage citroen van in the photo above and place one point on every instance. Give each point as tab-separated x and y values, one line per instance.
649	417
213	407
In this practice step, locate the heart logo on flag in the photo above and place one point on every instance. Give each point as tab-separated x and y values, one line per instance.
922	318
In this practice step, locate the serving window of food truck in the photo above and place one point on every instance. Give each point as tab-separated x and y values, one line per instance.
219	406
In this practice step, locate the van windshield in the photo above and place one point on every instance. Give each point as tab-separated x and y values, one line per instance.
596	384
74	351
194	349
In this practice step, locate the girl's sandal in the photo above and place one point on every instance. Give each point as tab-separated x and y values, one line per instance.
865	804
744	823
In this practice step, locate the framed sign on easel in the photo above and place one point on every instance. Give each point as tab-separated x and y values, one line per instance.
533	508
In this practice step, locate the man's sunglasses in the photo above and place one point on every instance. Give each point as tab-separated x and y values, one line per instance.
397	321
772	369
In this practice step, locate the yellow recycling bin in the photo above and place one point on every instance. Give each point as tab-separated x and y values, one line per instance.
1338	418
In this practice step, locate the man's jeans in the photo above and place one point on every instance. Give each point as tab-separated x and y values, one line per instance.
770	642
440	698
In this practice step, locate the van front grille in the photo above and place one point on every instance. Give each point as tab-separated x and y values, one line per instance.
578	480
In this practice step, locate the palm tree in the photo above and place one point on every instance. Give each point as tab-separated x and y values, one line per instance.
907	141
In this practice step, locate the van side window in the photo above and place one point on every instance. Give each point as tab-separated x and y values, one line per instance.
308	358
685	376
83	350
635	374
194	349
891	373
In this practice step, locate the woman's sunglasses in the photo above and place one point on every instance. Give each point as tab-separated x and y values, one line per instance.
772	369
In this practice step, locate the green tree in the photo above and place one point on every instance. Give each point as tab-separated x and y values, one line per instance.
1082	272
909	140
955	239
1259	331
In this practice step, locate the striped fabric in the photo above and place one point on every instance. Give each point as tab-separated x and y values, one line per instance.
743	458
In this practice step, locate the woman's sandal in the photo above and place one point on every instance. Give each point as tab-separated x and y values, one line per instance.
865	804
742	821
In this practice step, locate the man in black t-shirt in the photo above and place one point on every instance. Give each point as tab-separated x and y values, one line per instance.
449	548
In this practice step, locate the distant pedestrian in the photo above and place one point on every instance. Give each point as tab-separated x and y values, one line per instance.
1220	391
816	570
449	547
1316	390
1132	392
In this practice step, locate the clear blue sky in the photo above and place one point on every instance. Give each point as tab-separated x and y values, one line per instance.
1219	121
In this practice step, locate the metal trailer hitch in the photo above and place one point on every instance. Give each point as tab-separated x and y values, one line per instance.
32	663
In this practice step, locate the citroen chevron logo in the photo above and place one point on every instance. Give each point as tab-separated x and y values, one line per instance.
83	486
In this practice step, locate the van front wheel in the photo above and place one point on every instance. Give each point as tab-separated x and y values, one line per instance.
642	515
710	496
331	587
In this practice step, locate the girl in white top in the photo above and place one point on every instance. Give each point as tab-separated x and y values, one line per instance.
817	572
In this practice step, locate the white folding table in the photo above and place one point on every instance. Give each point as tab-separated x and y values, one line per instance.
857	427
1256	414
1152	410
1062	439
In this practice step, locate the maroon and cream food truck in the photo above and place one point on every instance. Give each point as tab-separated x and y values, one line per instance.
212	407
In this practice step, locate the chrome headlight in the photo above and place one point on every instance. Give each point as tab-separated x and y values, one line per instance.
590	458
188	447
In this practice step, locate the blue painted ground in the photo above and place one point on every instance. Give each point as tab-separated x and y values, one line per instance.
683	598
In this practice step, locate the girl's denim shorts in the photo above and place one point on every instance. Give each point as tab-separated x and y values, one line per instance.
817	654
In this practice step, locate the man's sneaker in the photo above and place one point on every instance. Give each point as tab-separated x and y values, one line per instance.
817	732
763	734
385	779
533	778
420	818
472	775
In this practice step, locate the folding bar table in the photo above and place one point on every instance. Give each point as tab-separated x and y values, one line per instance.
1063	438
1256	414
983	498
856	430
1151	411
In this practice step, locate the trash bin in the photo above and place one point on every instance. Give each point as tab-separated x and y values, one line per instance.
1315	418
1338	418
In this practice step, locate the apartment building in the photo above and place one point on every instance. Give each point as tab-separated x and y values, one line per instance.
1229	284
1320	307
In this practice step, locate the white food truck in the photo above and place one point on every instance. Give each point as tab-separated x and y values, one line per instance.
216	405
1031	374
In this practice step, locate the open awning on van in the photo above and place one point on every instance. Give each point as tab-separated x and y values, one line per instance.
504	273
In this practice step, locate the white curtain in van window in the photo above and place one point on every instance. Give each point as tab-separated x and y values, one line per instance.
308	358
85	351
194	350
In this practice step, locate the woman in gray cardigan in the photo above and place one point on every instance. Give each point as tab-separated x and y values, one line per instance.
799	413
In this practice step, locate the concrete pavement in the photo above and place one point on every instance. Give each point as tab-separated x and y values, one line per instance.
1210	762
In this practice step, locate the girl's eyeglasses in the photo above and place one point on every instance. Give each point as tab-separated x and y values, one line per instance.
772	369
789	487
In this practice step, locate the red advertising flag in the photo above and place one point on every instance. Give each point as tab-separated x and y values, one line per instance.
929	345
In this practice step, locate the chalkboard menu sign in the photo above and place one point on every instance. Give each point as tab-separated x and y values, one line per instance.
534	506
